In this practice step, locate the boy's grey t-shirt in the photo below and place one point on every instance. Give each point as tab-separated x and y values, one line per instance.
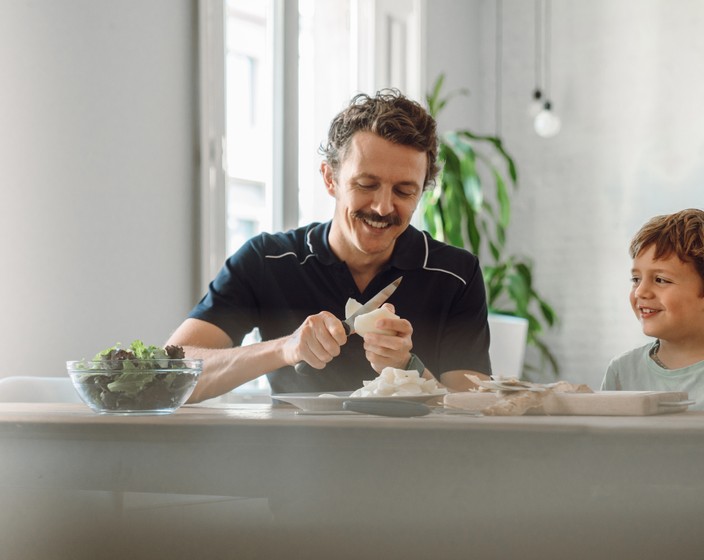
635	370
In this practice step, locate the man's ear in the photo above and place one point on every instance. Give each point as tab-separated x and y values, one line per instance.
328	177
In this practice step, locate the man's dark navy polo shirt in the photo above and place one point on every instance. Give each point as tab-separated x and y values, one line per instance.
277	280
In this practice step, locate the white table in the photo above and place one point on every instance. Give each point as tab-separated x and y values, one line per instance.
371	487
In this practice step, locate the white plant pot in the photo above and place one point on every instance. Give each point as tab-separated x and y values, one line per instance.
507	349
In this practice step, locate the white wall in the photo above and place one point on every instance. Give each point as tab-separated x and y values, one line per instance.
627	87
454	39
97	176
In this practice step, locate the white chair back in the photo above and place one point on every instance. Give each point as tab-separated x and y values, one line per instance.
27	388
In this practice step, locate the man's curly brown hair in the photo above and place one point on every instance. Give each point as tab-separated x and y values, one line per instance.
393	117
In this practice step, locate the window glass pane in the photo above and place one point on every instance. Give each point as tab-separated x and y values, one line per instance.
248	110
326	83
245	201
248	86
327	78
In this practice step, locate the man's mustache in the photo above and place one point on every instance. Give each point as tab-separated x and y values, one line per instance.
391	219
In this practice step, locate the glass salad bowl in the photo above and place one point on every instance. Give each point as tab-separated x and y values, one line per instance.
135	386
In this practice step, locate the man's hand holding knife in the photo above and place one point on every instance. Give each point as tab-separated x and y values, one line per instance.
319	339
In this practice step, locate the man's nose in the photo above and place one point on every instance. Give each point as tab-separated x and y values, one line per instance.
383	203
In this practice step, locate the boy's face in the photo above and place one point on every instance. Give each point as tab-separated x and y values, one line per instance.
666	296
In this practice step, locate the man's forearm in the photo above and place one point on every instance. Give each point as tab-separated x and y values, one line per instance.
227	368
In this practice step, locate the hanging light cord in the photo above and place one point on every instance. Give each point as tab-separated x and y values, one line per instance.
499	63
538	17
548	33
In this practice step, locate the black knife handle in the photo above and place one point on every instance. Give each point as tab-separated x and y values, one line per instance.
304	369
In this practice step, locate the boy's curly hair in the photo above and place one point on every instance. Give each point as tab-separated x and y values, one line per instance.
392	116
681	233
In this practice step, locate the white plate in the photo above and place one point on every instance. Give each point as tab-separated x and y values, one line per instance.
315	402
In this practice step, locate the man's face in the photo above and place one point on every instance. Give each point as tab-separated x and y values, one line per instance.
667	297
377	189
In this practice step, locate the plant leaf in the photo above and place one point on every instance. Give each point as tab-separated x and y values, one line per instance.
503	200
510	164
473	232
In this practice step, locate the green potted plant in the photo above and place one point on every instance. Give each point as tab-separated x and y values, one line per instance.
470	207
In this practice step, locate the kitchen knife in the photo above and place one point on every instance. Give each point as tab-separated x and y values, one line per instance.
304	368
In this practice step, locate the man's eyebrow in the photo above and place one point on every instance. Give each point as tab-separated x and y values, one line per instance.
367	175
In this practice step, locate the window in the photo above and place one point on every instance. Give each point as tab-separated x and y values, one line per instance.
323	83
274	72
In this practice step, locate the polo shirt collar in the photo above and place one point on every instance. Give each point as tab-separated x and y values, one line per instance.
409	252
317	240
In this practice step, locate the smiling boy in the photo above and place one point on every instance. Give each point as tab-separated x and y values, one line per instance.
667	297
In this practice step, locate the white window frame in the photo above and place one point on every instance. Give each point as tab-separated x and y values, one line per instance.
383	61
213	175
212	113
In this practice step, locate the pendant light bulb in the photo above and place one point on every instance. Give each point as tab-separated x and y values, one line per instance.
547	124
536	103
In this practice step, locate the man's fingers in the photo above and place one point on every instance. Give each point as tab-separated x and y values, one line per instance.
383	350
334	328
320	337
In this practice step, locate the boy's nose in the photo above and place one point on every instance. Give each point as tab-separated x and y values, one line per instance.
643	290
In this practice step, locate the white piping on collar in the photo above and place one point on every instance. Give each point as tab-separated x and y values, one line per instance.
425	262
309	242
291	253
425	258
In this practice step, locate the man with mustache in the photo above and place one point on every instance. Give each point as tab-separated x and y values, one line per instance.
381	154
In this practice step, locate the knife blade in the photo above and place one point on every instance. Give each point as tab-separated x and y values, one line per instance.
371	305
303	368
